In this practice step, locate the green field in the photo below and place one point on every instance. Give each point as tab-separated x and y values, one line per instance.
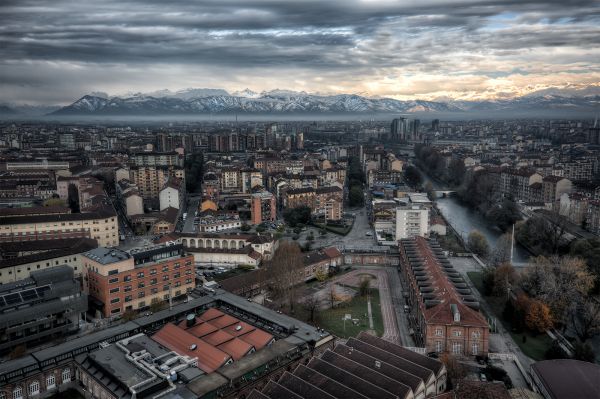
535	346
331	319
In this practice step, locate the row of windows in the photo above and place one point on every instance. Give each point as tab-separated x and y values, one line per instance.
439	332
153	272
457	348
34	386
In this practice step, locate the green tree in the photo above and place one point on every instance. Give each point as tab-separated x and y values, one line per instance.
456	171
412	176
356	196
364	286
295	216
478	244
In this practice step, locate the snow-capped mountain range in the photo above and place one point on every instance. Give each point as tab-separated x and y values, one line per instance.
203	101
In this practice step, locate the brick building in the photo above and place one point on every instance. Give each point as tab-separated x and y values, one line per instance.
119	281
443	311
263	207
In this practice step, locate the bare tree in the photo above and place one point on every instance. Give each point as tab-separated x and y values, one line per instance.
501	253
586	320
560	282
285	271
311	304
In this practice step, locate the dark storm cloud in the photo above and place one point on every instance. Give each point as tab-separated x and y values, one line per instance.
316	35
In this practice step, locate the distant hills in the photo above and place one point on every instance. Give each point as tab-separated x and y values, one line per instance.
283	102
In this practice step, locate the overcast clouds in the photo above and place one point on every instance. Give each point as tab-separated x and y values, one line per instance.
55	51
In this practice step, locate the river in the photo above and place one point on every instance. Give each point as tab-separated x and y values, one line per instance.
465	220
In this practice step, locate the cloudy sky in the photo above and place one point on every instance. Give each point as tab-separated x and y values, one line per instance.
56	51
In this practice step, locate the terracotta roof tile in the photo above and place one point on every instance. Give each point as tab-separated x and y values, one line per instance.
181	341
236	348
257	338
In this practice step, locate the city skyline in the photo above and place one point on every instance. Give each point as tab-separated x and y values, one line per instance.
430	50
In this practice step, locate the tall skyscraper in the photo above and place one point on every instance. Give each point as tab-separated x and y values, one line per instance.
435	125
399	129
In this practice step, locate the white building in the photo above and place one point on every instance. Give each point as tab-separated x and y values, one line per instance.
412	221
172	195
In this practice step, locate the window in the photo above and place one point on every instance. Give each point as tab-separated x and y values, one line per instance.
112	272
66	375
141	285
439	332
438	346
165	277
153	281
113	280
2	395
113	290
165	268
141	294
50	381
127	278
152	272
476	334
115	300
34	388
141	275
166	287
457	333
18	393
456	348
127	288
475	348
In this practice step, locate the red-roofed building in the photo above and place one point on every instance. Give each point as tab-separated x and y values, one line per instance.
184	343
258	338
202	329
444	313
237	348
224	321
217	338
239	329
210	314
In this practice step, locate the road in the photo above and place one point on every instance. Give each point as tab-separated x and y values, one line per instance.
193	204
356	239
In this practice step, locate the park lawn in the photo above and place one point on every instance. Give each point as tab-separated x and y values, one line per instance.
535	346
331	319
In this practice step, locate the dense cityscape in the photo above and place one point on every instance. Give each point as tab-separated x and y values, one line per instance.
194	255
306	199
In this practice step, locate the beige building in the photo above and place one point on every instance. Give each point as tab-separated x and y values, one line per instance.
101	225
151	179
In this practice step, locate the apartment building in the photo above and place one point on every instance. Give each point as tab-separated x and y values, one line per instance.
18	260
144	159
553	187
130	200
151	179
120	281
412	221
263	207
172	195
101	225
444	313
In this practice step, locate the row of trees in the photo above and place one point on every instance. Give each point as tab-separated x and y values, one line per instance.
434	163
551	292
194	169
356	181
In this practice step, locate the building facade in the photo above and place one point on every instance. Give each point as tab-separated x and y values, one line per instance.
120	281
46	305
443	310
